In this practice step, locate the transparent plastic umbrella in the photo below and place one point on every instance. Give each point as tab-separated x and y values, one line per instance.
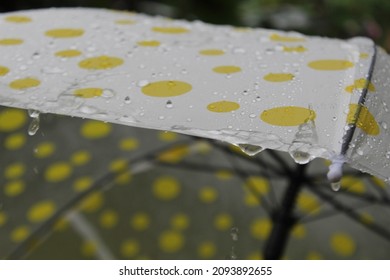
310	96
256	88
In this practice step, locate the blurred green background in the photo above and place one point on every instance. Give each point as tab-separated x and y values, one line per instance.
332	18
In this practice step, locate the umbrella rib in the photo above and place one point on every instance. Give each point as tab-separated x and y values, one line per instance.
105	180
353	215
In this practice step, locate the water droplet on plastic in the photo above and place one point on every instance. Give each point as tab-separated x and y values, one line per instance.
143	83
88	110
300	157
108	93
250	150
384	125
239	51
335	186
52	70
169	104
252	116
387	154
334	119
36	55
234	233
127	100
161	117
33	113
34	126
359	152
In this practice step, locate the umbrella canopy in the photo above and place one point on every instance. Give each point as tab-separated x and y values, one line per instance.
112	191
311	96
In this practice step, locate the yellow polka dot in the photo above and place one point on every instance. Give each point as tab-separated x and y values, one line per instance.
124	178
343	244
44	149
118	165
80	157
278	77
180	221
208	194
280	38
95	129
129	248
223	221
18	19
25	83
151	43
308	203
3	218
312	255
166	88
13	141
3	70
125	21
82	184
256	255
287	116
61	224
298	49
88	248
140	221
170	241
224	175
41	211
379	182
129	144
14	170
14	188
174	155
88	92
223	106
298	231
12	119
64	33
363	55
20	233
227	69
108	219
170	30
206	250
257	184
93	202
212	52
251	199
366	218
365	120
166	188
167	136
330	64
359	85
10	42
353	184
101	62
68	53
260	228
58	172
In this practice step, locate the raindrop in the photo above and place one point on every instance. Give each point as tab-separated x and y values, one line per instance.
161	117
143	83
334	119
384	125
245	92
387	154
300	157
127	100
88	110
252	116
34	124
52	70
33	113
36	55
234	234
250	150
184	71
359	152
335	186
108	93
169	104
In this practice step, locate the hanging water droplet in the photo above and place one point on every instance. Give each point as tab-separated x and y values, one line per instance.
300	157
335	186
33	113
234	233
359	152
143	83
250	150
127	100
34	126
169	104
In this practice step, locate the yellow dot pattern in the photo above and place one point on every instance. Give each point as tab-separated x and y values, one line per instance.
298	49
80	157
150	43
129	144
82	184
363	119
14	188
308	203
180	221
353	184
19	234
166	188
130	248
95	129
41	211
12	119
166	88
170	30
206	250
3	218
330	64
223	221
93	202
286	39
360	84
125	21
44	150
343	244
171	241
25	83
260	228
64	33
58	172
208	194
18	19
211	52
14	141
3	70
167	136
68	53
101	63
140	221
108	219
257	184
14	170
223	106
278	77
88	92
174	155
227	69
287	116
10	41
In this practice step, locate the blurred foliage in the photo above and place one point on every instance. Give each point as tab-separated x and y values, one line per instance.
333	18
